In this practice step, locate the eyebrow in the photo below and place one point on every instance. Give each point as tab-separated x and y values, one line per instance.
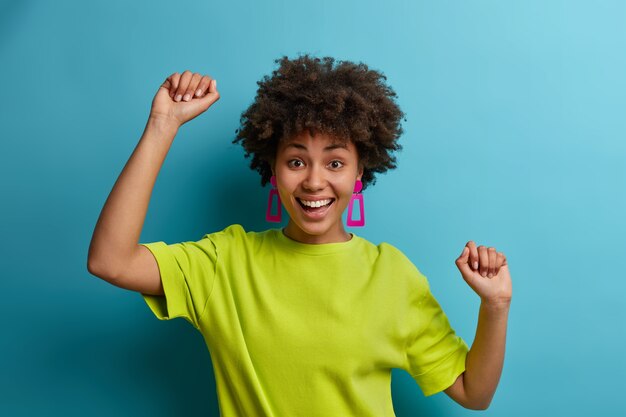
328	148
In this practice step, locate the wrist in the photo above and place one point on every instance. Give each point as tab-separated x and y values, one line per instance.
163	125
495	305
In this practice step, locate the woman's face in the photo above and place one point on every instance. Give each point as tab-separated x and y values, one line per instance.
315	177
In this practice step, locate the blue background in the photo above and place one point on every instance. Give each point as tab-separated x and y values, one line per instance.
514	138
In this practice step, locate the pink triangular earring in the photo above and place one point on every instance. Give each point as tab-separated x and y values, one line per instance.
274	218
356	196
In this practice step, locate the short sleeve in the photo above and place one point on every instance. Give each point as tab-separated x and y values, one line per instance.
435	354
187	273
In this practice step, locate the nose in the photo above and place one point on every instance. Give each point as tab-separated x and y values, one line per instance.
315	179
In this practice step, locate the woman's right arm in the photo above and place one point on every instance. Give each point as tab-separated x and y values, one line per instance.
115	254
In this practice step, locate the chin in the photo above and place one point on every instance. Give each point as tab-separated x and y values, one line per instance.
315	231
322	232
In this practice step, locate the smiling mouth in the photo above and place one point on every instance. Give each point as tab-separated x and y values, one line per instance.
315	206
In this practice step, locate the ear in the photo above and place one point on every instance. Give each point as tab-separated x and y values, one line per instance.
360	174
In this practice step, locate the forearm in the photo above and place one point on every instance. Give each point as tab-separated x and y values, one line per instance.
483	365
119	226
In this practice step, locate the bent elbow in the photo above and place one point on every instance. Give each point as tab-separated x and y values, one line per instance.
479	405
96	269
92	268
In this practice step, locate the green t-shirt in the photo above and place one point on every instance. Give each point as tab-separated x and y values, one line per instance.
295	329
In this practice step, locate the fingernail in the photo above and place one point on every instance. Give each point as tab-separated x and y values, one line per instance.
490	275
215	83
475	265
484	274
178	97
187	97
198	93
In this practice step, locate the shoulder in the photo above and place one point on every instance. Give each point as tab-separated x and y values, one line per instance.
399	264
390	253
237	237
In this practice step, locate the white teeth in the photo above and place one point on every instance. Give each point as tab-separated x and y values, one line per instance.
318	203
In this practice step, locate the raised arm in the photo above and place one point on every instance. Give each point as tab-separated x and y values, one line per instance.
486	271
114	253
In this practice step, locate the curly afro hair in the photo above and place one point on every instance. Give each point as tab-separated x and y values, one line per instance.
345	100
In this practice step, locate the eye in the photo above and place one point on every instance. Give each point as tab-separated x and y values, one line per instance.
336	164
295	163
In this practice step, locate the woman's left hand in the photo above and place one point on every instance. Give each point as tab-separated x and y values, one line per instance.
485	270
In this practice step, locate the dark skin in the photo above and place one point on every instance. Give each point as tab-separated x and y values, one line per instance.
116	257
184	96
483	268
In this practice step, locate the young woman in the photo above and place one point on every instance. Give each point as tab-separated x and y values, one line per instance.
307	320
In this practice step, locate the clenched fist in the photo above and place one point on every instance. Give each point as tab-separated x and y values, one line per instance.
486	271
184	96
